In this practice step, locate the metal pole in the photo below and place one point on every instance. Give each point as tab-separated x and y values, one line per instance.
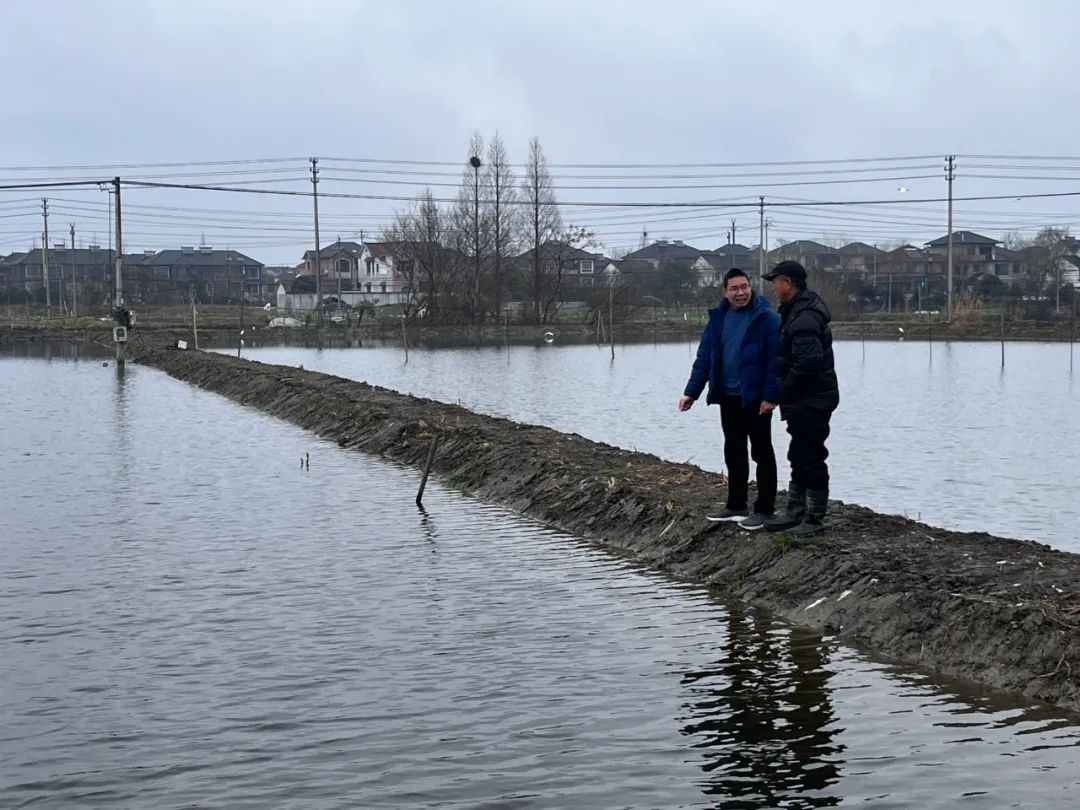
761	246
119	300
318	262
45	259
74	279
949	174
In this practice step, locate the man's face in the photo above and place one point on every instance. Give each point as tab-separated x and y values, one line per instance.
737	291
784	289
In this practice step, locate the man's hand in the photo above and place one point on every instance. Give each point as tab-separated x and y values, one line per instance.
766	407
685	403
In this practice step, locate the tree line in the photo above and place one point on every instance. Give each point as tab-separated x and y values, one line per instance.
503	239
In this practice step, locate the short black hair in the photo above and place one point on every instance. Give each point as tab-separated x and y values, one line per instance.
732	273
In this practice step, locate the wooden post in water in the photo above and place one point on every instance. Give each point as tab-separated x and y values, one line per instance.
1003	335
930	333
194	317
611	318
427	466
1072	330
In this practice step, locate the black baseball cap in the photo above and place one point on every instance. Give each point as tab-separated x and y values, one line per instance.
789	268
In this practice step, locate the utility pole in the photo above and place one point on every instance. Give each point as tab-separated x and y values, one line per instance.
363	247
318	262
337	272
474	161
761	245
74	280
950	173
119	280
45	258
731	260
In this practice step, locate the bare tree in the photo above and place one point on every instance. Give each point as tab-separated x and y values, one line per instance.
542	221
560	255
500	187
1055	244
424	243
470	221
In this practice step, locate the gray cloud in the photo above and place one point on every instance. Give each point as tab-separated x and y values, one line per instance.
598	82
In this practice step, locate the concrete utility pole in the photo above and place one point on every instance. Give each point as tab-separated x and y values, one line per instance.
118	303
74	280
761	245
950	173
45	258
318	262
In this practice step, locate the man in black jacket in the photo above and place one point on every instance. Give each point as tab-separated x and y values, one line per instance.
808	395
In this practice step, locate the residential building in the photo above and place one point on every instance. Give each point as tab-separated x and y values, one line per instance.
665	251
811	255
337	261
93	268
973	254
579	268
859	258
216	276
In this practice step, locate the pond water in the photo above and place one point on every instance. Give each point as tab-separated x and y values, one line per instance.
937	432
190	617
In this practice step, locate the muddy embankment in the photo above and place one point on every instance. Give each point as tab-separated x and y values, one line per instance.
1004	613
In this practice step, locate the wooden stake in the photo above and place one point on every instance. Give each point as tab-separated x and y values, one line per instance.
427	467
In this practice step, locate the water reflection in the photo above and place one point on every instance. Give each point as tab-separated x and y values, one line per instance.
763	718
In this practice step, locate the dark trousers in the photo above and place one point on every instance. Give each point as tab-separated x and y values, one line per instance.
742	422
807	451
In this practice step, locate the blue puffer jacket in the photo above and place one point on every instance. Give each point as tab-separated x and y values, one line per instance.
758	375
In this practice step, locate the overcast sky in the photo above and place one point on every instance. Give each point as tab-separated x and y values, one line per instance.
619	82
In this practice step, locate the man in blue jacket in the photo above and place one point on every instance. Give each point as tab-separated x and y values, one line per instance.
737	357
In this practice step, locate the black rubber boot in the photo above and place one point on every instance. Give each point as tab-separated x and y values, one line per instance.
793	514
817	502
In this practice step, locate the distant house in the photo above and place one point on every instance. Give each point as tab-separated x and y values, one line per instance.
712	266
93	268
337	261
811	255
859	258
1071	275
387	272
1008	264
967	244
577	267
664	251
214	275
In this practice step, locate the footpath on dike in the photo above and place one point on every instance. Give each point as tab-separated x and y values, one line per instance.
998	612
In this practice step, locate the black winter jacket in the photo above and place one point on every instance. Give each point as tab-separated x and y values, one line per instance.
807	374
